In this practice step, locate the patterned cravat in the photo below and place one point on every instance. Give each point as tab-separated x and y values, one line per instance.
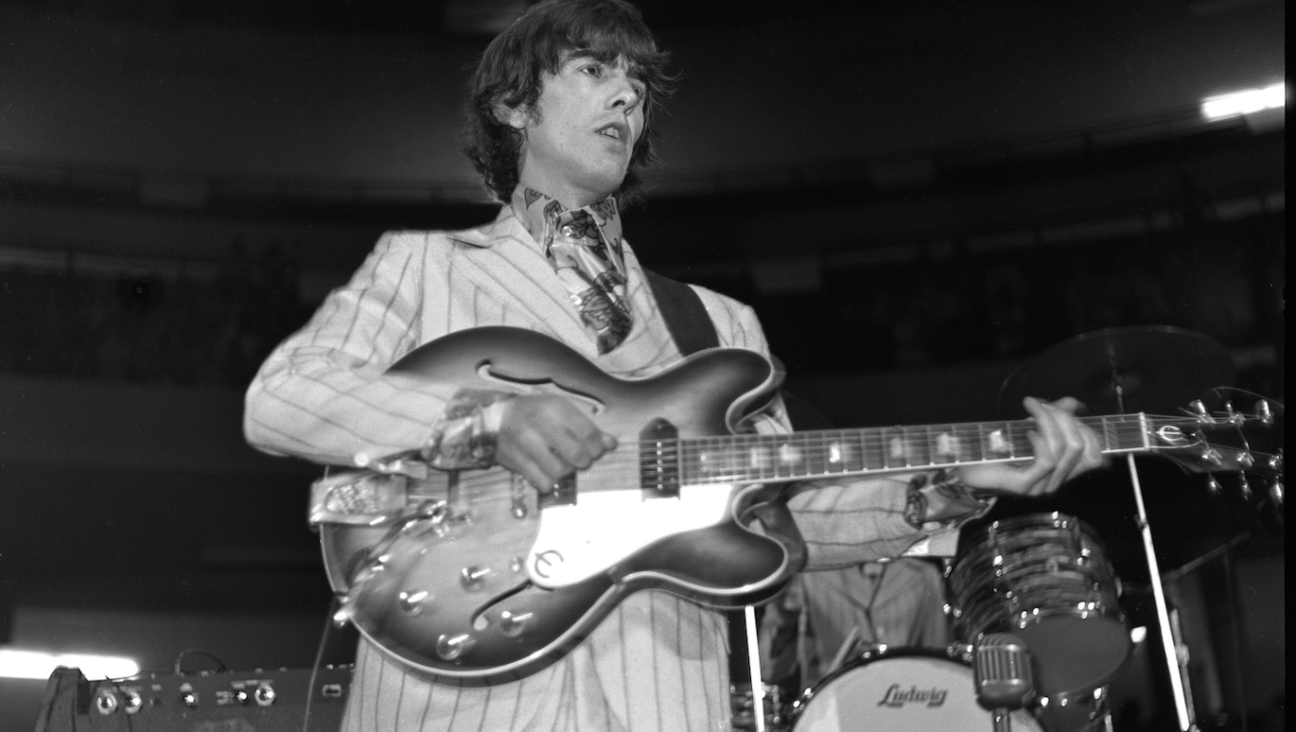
584	247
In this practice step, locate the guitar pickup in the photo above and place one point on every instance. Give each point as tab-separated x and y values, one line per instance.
659	460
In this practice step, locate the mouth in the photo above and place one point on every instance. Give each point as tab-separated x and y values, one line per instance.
618	131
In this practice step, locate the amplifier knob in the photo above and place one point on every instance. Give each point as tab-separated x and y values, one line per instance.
105	702
265	695
132	701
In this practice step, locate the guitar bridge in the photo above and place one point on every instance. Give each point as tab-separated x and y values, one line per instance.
659	460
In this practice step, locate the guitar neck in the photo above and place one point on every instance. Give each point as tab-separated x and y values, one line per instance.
852	452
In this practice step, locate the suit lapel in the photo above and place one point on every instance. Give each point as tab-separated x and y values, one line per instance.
505	263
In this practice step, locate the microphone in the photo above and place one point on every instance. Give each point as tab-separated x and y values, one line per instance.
1002	672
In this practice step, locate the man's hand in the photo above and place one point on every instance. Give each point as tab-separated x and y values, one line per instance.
545	437
1064	448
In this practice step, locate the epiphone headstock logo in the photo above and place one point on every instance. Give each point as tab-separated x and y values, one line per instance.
895	697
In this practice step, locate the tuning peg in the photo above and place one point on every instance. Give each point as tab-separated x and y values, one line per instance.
1212	485
1264	412
1245	486
1276	492
1199	411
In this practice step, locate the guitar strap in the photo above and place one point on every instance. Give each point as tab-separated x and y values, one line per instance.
691	327
686	317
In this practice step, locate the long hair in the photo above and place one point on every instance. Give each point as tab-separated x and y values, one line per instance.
510	74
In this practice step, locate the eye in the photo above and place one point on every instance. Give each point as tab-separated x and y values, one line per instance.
594	70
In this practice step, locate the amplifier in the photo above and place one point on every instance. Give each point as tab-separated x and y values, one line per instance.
263	700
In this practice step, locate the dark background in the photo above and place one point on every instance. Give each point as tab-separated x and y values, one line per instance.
917	197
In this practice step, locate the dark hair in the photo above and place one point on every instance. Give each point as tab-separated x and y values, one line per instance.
509	74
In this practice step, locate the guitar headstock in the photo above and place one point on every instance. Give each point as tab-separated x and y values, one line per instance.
1215	435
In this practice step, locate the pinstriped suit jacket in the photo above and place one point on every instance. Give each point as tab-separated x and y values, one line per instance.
657	662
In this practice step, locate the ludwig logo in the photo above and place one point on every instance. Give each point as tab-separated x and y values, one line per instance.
895	697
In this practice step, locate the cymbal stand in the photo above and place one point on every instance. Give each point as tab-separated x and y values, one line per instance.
1176	651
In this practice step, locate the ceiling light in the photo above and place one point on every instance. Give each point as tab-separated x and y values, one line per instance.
1247	101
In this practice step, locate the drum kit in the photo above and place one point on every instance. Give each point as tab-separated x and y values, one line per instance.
1045	581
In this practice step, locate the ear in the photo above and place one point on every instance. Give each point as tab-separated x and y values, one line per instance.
515	117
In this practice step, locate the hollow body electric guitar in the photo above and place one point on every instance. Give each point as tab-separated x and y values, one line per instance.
475	577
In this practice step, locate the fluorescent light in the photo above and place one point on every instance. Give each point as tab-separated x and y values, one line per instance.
1247	101
15	664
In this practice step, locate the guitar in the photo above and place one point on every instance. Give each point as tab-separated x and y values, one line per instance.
475	577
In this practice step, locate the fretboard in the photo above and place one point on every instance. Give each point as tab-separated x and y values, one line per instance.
824	453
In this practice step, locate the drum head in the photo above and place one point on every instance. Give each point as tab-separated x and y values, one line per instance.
901	690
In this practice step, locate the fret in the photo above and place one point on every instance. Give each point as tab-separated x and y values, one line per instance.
844	454
996	441
942	445
873	448
918	445
791	457
895	450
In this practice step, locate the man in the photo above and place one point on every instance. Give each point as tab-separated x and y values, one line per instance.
561	109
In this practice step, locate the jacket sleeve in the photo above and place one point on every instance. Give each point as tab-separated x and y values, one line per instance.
844	521
324	394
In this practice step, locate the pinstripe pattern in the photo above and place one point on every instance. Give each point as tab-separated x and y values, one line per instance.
657	663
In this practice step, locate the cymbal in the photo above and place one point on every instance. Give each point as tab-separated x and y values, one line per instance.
1141	368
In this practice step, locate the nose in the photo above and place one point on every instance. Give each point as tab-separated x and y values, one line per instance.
625	94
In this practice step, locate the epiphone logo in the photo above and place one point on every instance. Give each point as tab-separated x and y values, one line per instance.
894	697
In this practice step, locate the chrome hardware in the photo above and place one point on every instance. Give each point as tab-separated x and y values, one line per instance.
450	647
472	578
412	603
1276	492
265	695
189	699
1212	485
105	702
1264	412
1200	412
132	701
1244	485
1245	459
512	625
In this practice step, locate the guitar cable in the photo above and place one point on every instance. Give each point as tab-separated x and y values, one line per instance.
319	659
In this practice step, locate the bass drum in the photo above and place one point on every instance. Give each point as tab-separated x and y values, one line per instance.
899	689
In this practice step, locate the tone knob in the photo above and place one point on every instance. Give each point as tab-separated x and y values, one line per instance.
412	603
472	578
513	625
451	647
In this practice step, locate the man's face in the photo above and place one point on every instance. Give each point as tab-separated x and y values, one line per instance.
577	148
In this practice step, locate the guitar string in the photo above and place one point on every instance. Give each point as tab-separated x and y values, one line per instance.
734	452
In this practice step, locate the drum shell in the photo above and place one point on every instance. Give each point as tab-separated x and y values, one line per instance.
1045	578
894	689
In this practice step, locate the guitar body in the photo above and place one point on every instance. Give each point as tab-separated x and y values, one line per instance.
493	580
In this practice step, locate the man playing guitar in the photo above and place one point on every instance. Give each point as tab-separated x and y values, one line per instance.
561	108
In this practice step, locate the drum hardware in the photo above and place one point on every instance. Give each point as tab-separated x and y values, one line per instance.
1139	369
